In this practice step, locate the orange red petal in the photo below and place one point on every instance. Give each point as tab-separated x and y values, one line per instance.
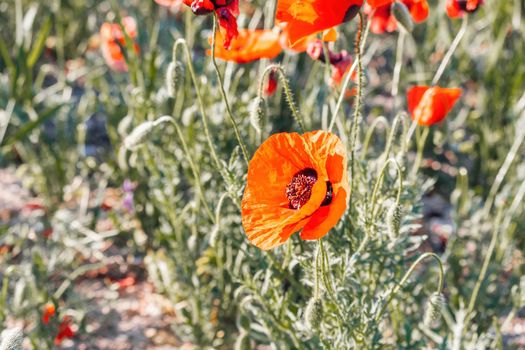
249	45
430	105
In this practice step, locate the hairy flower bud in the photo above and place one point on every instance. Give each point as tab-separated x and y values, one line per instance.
174	77
313	315
11	339
141	132
393	220
402	15
434	307
257	113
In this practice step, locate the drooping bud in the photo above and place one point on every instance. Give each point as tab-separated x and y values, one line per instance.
174	76
141	132
402	15
434	307
393	220
11	339
313	315
257	113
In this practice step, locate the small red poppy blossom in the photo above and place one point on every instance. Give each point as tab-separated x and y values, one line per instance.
383	20
341	62
430	105
248	46
226	10
112	38
295	182
457	8
64	330
306	17
49	311
271	84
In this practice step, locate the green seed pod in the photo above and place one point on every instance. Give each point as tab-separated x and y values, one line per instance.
313	315
141	133
243	342
402	15
257	113
11	339
174	76
393	220
434	307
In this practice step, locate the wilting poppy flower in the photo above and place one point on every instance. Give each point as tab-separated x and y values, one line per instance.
307	17
226	10
430	105
382	18
295	182
49	311
64	331
271	84
112	39
249	45
341	62
457	8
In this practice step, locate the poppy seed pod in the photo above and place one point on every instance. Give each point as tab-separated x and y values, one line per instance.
393	220
257	113
434	307
313	315
402	15
174	77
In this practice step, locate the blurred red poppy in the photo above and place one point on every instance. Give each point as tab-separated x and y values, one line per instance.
64	330
430	105
112	39
249	45
49	311
457	8
307	17
271	84
382	18
341	62
226	10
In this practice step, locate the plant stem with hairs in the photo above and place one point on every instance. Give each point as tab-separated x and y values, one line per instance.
223	93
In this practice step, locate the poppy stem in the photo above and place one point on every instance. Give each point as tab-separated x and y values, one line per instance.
399	61
370	132
420	148
287	92
379	182
354	131
407	275
223	93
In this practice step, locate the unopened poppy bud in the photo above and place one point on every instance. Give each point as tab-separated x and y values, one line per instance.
313	315
173	77
393	220
402	15
141	132
434	307
257	113
242	342
11	339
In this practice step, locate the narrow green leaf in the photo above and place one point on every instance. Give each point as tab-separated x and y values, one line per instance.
39	43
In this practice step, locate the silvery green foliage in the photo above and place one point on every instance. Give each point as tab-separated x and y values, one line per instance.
11	339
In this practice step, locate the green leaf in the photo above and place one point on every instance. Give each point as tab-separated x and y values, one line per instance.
40	41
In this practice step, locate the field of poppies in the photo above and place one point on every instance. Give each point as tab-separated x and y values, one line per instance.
262	174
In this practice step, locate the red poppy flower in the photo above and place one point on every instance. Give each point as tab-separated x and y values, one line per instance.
457	8
383	19
430	105
340	62
249	45
112	39
64	331
295	182
271	84
307	17
226	10
49	311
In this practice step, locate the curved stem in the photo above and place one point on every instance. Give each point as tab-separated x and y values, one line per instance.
350	73
223	93
420	148
400	117
407	275
370	132
399	62
379	182
287	92
451	51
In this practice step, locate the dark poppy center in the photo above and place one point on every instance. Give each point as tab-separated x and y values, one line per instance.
464	5
299	190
